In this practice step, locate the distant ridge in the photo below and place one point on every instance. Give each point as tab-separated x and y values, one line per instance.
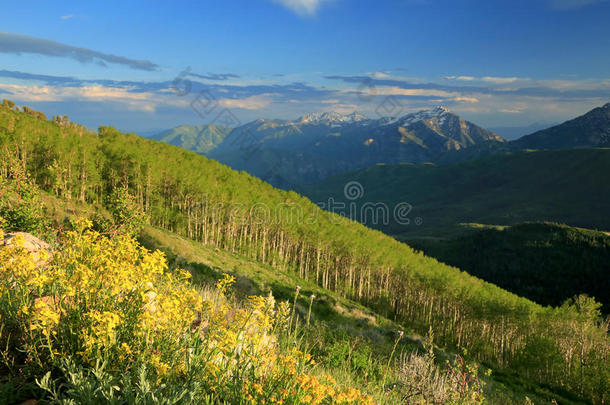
563	186
200	138
591	130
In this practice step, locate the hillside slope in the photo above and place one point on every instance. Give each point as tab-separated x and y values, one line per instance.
186	193
557	186
591	130
545	262
201	138
346	338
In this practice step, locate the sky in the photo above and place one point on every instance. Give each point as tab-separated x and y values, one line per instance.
150	65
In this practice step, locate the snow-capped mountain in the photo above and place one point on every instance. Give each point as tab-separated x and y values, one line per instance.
437	112
336	118
316	145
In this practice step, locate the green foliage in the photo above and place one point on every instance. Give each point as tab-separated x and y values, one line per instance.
20	206
127	216
84	385
8	104
106	321
567	261
565	186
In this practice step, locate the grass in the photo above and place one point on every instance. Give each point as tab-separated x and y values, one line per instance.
208	264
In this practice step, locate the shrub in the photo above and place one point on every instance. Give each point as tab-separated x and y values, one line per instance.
20	206
128	217
422	381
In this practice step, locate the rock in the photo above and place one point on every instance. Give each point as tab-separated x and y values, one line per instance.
30	243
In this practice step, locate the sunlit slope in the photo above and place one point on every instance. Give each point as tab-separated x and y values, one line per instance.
340	322
188	194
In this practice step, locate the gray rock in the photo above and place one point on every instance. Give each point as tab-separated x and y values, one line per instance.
32	244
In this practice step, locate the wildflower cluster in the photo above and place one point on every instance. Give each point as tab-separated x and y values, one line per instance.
105	318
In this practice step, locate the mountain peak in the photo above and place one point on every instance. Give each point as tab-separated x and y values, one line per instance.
440	109
436	112
590	130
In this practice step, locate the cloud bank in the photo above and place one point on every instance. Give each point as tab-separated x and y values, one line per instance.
488	100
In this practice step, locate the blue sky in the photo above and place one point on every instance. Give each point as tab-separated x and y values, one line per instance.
497	63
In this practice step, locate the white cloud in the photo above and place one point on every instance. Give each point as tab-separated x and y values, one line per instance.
250	103
380	75
67	16
488	79
460	78
500	80
399	91
301	7
466	99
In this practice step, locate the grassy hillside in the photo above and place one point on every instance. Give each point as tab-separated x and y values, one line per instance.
545	262
339	321
557	186
102	320
200	199
349	340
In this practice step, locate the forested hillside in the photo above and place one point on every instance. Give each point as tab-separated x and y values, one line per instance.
203	200
544	262
557	186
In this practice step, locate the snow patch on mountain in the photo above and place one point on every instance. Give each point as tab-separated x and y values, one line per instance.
330	118
439	112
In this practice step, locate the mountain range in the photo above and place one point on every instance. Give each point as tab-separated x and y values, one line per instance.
590	130
291	152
